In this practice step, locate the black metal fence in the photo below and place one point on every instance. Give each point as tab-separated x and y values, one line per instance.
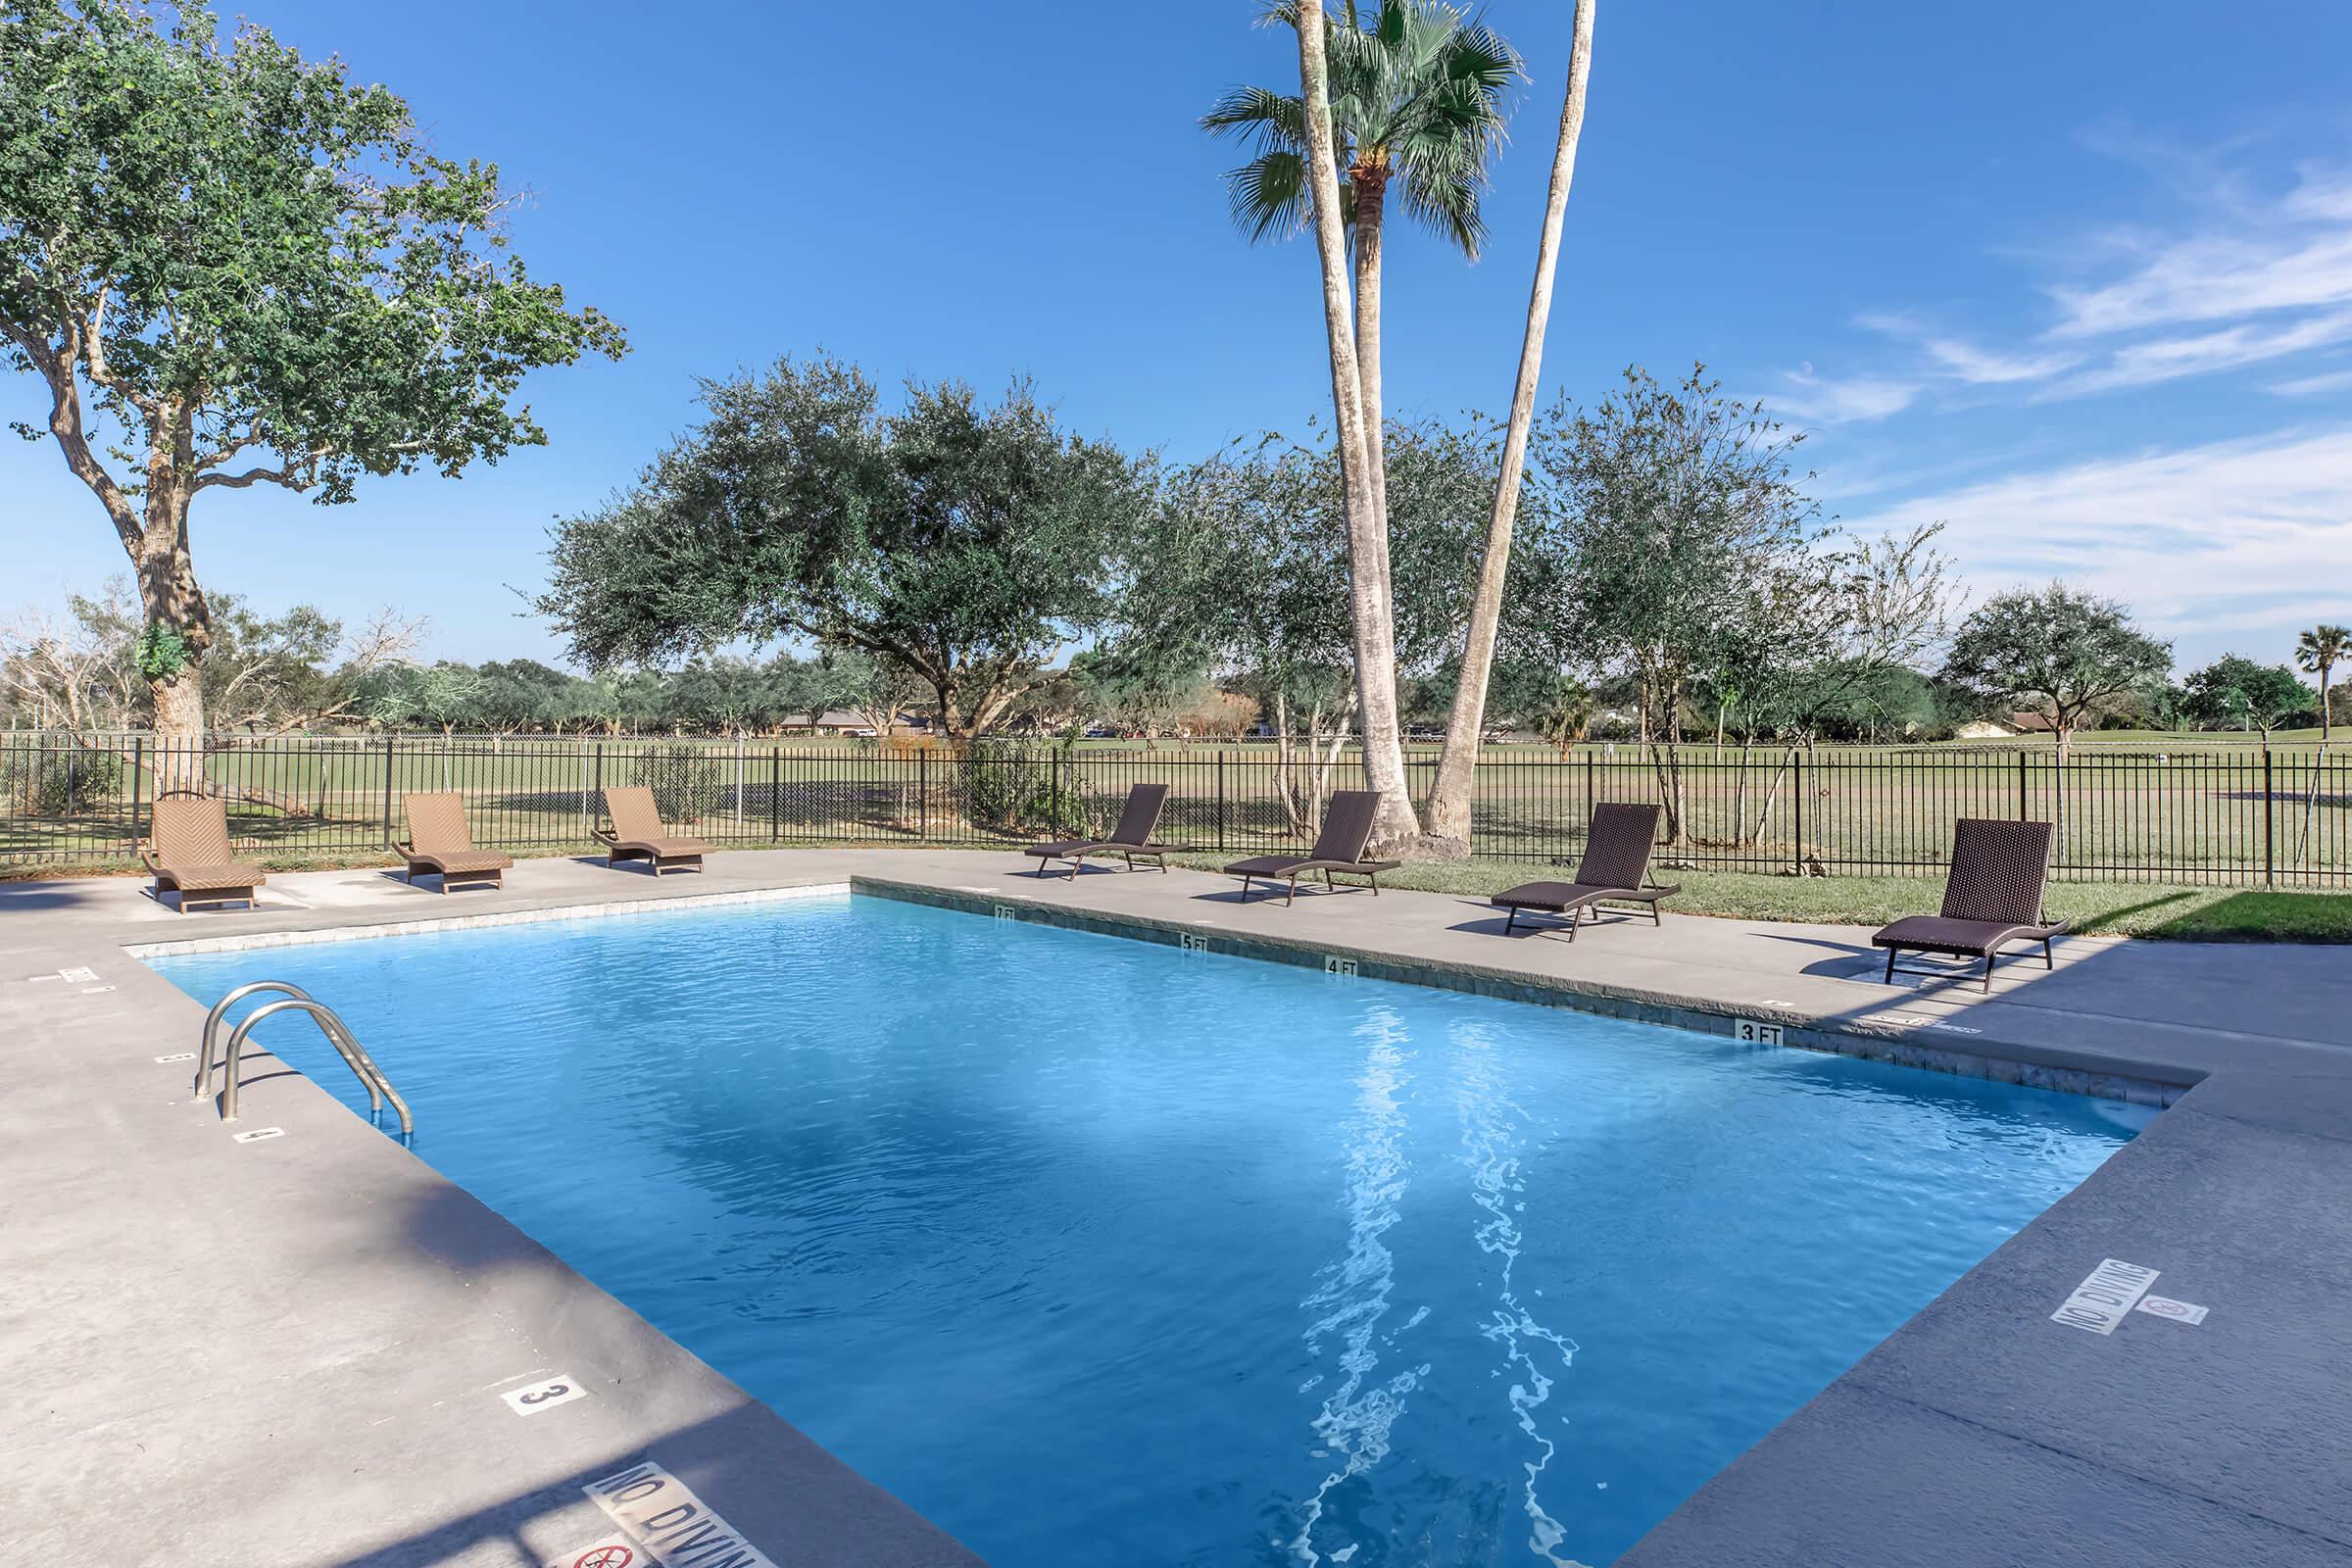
2241	816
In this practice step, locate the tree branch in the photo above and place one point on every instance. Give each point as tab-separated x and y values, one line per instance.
56	367
238	481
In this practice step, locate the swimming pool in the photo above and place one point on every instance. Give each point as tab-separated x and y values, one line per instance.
1098	1251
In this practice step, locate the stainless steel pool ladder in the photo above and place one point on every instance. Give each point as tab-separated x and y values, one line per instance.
295	1000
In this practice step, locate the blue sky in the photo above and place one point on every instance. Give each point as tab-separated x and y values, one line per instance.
2078	279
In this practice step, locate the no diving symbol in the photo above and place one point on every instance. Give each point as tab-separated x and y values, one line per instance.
610	1557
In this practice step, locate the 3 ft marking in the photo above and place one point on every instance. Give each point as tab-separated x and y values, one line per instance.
2107	1293
258	1134
1752	1033
545	1395
178	1055
1344	968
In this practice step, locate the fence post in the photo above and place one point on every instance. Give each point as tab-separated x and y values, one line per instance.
388	792
2270	863
1796	802
1220	797
775	793
922	791
599	787
138	767
1054	794
2020	785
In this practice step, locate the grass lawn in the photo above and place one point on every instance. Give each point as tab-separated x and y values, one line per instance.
2111	908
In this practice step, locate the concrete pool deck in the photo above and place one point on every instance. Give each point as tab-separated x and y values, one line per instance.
294	1350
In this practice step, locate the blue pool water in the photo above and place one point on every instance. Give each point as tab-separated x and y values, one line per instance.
1097	1252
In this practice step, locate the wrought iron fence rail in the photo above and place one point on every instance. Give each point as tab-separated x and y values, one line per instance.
2240	815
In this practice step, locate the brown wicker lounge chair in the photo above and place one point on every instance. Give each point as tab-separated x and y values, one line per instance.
1991	897
187	849
1615	869
439	840
638	833
1131	838
1339	847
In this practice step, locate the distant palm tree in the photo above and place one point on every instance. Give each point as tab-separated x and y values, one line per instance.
1416	100
2320	650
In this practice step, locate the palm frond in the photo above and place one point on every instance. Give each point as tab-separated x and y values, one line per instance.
1268	196
1275	120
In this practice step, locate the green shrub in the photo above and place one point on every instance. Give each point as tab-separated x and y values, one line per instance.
61	783
1010	786
688	782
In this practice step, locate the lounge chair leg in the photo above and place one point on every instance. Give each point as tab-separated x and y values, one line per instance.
1989	974
1510	919
1290	897
1891	952
1376	884
2047	960
1654	917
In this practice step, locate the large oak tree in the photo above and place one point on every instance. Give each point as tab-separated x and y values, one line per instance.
228	267
967	543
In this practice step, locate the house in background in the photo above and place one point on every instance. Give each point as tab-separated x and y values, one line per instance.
1983	729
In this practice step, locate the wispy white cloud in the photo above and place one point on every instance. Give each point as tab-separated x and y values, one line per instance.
2312	386
1827	399
2212	279
2231	347
2244	535
2257	278
1981	366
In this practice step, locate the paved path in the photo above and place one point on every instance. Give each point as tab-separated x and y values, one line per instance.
293	1350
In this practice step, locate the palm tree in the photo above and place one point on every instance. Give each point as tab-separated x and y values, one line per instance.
1448	818
1370	604
2320	650
1416	101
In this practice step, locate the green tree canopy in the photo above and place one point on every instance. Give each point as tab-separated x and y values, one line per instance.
229	267
967	543
2060	649
2236	693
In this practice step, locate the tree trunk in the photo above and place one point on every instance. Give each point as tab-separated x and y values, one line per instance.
1448	815
1371	207
173	602
1393	826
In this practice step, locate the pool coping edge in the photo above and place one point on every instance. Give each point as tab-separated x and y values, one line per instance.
2002	1061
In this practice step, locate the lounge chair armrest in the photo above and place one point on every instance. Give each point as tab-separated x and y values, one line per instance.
147	857
604	835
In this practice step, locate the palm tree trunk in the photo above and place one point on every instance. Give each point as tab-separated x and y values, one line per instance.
1371	206
1375	629
1457	766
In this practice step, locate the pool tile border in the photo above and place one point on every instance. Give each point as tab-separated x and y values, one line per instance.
251	941
1804	1031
